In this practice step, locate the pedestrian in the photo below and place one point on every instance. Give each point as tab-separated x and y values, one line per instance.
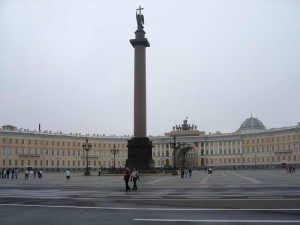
41	173
1	175
68	175
16	173
4	173
186	173
134	176
12	173
190	172
7	173
182	173
34	173
26	174
127	178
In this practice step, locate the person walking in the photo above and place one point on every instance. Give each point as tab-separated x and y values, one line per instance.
134	177
26	174
7	173
127	178
190	172
16	173
68	175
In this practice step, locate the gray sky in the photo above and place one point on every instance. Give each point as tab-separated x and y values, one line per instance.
68	65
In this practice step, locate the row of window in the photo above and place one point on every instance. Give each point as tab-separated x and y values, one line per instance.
53	152
254	160
262	140
60	143
258	149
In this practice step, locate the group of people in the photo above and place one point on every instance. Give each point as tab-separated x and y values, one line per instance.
291	169
33	173
134	176
185	173
4	173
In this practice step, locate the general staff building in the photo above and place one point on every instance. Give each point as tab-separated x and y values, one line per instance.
251	146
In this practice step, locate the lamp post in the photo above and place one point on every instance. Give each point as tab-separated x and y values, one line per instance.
175	146
86	147
114	151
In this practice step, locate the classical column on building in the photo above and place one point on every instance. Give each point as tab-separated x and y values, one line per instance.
140	147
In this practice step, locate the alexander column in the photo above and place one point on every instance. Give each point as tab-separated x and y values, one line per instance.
140	147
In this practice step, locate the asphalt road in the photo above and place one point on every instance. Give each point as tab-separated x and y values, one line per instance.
224	197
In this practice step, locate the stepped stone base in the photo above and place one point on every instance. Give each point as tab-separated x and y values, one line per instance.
140	154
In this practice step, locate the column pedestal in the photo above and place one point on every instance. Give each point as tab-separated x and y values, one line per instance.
140	153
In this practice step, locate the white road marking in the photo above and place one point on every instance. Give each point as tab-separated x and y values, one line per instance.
156	181
205	179
220	221
145	209
252	180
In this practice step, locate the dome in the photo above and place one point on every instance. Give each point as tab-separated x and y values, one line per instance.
252	124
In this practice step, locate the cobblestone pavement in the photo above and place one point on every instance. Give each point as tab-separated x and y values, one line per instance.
251	196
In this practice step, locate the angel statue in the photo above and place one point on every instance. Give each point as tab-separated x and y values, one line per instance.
140	20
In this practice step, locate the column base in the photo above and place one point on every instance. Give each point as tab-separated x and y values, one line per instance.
139	154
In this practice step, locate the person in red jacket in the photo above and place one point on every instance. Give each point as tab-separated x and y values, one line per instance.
127	178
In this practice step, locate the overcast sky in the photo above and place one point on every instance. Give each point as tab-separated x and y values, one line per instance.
68	65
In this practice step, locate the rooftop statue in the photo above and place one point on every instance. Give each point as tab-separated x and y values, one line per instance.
140	19
185	126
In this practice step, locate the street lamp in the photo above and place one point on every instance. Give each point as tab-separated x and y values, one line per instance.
114	151
86	147
175	146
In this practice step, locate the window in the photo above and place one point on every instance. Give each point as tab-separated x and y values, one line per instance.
17	141
35	142
29	142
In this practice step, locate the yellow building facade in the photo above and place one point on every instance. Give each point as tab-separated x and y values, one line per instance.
251	146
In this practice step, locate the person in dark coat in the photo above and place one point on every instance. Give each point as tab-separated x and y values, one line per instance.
127	178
